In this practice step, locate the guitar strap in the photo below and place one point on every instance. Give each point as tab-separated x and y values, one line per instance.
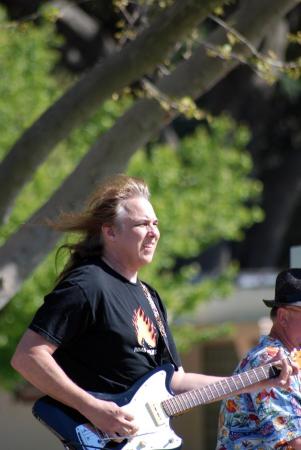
158	319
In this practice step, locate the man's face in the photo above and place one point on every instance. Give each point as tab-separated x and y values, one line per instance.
136	232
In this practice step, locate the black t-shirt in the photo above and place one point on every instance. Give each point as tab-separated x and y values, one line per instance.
104	327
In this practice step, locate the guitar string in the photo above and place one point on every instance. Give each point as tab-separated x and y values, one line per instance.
171	407
107	439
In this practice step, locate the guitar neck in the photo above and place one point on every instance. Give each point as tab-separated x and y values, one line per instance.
216	391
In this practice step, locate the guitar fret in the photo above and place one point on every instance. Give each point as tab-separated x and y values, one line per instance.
214	385
231	385
228	385
264	373
185	401
247	376
166	406
178	404
192	395
173	406
244	380
252	377
273	370
255	373
222	386
234	382
240	381
199	396
200	392
242	384
211	394
209	388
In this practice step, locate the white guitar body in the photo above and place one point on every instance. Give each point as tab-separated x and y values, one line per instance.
154	431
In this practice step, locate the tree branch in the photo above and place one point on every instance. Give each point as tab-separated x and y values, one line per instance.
86	96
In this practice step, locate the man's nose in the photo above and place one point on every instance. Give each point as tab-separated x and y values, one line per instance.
153	230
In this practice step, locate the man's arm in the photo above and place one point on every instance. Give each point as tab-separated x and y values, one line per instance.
34	361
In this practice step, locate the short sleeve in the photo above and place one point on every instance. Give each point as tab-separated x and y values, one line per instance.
64	315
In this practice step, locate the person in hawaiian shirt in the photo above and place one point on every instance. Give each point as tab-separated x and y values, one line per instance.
270	418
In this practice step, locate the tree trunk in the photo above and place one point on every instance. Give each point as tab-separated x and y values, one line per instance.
282	193
28	246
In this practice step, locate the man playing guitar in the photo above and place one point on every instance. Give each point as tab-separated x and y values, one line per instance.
102	330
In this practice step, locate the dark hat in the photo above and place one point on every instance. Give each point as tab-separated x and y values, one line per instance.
287	289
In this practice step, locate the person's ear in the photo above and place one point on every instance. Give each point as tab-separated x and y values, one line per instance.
283	317
108	231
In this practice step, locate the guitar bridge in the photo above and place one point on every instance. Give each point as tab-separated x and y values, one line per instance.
156	412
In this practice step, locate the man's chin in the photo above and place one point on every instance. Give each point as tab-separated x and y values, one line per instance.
147	258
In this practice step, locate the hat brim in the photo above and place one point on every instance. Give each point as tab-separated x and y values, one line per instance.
269	303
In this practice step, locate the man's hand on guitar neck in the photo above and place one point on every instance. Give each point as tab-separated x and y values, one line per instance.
287	367
182	381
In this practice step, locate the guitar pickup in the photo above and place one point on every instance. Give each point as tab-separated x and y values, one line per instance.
156	412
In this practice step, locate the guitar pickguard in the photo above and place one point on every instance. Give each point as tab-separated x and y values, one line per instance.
88	437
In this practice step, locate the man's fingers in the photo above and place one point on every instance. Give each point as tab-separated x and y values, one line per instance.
129	423
286	369
128	416
130	428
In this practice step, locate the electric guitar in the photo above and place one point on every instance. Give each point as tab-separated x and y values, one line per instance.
152	403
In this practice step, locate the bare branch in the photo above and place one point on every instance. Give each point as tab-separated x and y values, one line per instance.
274	63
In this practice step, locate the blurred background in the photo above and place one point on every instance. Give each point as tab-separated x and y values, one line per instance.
203	102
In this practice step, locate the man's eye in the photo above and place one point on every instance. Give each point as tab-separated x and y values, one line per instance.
147	224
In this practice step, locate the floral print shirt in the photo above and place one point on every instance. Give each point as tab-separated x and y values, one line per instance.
263	420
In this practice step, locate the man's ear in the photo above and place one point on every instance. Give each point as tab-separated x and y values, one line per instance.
282	316
108	231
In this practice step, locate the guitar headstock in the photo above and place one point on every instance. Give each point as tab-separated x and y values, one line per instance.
296	357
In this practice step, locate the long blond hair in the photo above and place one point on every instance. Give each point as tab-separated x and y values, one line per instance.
102	207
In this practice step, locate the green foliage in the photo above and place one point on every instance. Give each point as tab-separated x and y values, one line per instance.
291	87
200	190
28	87
27	57
202	194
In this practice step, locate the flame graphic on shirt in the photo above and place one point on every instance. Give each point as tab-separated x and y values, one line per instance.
144	327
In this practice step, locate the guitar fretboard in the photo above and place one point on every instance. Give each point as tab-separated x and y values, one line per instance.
215	391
